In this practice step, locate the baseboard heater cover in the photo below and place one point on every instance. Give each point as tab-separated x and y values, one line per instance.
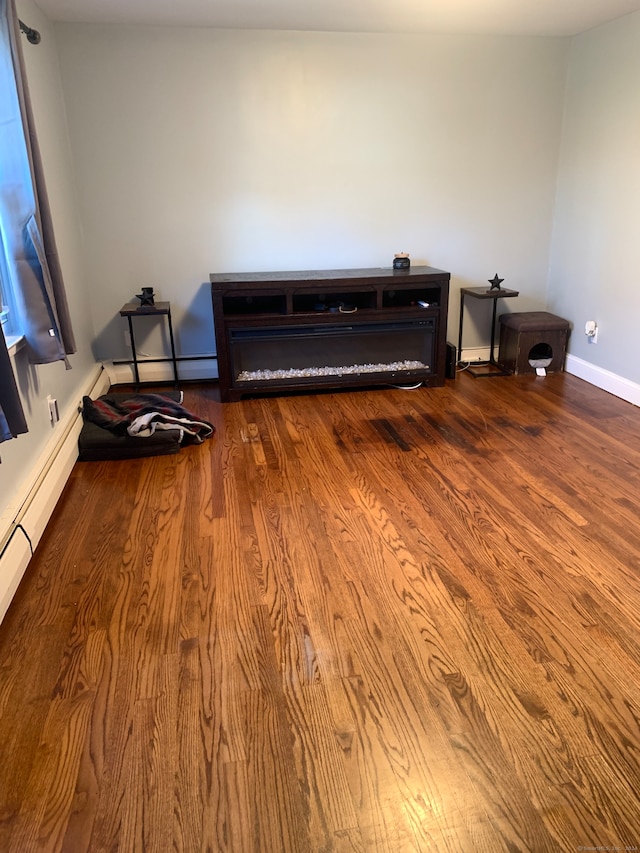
36	504
14	560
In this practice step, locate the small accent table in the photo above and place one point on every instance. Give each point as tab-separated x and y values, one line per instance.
493	367
162	309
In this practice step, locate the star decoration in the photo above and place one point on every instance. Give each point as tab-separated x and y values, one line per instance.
495	282
146	297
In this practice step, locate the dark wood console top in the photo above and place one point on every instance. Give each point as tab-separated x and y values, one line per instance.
380	275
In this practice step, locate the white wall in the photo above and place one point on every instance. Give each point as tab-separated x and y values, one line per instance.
200	151
595	268
36	383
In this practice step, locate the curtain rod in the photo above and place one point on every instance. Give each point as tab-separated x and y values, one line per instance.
33	36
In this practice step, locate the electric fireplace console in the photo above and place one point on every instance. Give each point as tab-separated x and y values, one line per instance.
290	331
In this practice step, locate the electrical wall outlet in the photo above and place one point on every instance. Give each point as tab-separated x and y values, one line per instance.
591	331
54	414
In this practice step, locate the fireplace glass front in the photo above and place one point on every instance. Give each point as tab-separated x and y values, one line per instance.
389	350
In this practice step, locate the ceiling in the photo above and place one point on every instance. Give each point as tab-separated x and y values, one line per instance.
504	17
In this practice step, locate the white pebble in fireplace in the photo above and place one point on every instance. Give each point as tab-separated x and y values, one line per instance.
345	370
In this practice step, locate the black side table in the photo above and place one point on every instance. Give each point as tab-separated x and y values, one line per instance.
159	309
492	368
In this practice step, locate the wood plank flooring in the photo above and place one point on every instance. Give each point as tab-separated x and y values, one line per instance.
374	621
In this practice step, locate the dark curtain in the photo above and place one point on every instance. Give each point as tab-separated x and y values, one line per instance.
12	421
29	242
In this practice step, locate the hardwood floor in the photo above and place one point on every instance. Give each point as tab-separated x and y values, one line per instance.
373	621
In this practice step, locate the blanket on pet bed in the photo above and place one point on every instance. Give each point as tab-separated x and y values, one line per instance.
140	415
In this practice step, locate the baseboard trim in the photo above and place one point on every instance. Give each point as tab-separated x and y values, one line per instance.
189	370
604	379
475	354
25	520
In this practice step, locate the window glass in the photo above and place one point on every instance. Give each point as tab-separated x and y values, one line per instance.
8	318
8	314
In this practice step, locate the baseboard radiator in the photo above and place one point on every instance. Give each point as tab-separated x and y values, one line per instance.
197	368
37	500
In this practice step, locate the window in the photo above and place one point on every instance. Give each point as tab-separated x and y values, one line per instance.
7	311
8	315
4	297
4	305
34	290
